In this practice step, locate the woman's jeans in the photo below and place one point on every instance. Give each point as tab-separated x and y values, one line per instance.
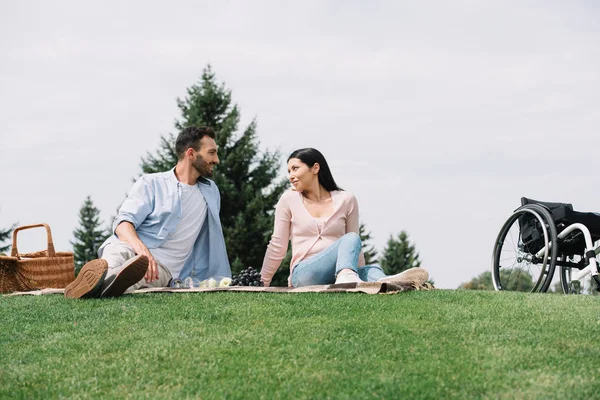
322	268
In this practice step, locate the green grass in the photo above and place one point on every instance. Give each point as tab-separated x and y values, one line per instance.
436	344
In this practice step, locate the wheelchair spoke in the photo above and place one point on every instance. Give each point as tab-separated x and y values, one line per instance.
512	241
515	265
586	285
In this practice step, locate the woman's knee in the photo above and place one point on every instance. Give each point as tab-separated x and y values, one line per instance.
352	238
308	276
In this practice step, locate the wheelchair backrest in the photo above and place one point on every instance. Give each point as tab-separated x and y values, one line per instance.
560	211
549	205
563	215
532	234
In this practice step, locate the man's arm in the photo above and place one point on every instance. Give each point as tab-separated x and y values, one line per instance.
132	213
138	204
126	233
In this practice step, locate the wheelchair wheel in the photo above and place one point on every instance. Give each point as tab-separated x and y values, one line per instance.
515	263
586	285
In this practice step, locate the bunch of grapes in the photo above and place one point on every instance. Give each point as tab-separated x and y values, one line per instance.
247	277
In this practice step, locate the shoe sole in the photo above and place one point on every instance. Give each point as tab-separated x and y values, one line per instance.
133	271
417	275
91	275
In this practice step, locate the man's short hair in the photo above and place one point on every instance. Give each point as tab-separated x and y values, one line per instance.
190	137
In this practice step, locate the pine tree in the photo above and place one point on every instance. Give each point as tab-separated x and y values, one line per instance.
5	236
368	250
399	255
247	179
281	276
89	236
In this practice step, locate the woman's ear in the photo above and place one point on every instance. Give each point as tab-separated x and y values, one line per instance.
316	168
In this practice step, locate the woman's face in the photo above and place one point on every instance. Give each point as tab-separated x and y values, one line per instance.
301	176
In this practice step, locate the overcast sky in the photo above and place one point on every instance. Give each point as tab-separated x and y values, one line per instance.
437	115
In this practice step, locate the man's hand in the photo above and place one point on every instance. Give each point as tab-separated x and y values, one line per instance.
152	272
126	232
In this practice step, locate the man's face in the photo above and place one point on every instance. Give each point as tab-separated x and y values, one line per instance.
206	157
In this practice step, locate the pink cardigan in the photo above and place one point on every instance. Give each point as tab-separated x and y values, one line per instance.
294	222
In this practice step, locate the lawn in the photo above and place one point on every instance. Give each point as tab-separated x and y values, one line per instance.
426	344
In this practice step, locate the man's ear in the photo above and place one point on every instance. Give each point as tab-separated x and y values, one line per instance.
189	152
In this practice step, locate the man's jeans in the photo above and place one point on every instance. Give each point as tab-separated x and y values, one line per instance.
117	252
322	268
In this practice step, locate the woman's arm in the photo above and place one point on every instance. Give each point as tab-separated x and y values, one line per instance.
279	242
353	225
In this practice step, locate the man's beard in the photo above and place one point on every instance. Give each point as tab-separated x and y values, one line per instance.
202	167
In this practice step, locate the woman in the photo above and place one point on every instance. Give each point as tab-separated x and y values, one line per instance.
321	220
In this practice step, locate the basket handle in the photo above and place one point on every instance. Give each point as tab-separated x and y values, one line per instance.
51	251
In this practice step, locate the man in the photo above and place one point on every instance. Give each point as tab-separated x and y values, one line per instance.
167	228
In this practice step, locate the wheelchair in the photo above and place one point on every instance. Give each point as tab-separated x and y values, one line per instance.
540	236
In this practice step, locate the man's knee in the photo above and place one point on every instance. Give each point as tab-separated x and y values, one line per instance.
116	253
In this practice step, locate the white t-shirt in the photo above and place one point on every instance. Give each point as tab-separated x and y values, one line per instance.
175	251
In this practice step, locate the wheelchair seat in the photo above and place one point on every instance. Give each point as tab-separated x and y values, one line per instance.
564	215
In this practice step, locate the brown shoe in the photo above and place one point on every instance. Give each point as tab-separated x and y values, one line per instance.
418	275
131	272
89	280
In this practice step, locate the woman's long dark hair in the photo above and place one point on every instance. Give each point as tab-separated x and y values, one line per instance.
310	156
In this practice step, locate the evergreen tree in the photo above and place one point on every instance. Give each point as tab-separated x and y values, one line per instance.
247	179
399	255
5	236
89	236
281	276
368	250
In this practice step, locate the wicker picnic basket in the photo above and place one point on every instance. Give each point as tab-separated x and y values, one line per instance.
38	270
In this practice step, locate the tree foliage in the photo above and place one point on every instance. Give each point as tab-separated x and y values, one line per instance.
246	176
368	250
5	236
521	281
399	255
88	236
281	276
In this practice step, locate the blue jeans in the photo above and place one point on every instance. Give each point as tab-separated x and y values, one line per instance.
322	268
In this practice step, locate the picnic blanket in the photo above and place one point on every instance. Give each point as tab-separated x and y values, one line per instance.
353	287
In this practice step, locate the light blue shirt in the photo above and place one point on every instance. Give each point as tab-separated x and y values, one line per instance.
154	208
